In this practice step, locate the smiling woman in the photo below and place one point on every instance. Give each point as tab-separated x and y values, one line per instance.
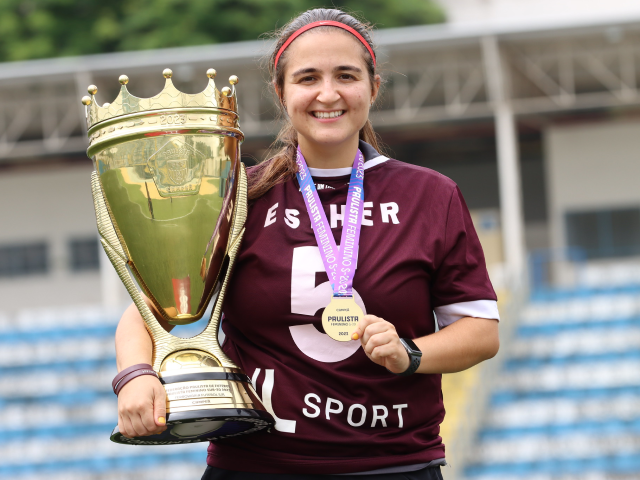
340	339
347	67
327	101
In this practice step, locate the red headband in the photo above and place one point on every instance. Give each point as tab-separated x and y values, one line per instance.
323	23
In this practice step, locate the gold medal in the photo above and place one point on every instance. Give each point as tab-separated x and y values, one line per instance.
340	318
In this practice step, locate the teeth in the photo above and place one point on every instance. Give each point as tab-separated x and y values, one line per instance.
328	114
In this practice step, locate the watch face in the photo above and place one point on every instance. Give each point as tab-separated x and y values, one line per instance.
412	346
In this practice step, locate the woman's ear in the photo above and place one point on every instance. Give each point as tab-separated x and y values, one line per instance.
375	88
279	94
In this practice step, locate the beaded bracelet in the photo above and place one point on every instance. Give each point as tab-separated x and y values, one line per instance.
128	374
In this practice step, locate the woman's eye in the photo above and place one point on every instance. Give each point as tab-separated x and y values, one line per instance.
346	76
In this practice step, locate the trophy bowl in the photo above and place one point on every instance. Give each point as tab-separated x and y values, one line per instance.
170	195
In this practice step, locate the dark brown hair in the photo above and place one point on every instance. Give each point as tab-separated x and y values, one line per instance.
282	165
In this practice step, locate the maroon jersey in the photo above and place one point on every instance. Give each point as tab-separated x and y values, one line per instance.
336	410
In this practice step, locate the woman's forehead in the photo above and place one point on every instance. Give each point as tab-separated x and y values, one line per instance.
325	48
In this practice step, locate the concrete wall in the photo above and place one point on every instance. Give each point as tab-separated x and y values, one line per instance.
590	167
51	203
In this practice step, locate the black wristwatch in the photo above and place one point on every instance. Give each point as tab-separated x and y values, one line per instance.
415	355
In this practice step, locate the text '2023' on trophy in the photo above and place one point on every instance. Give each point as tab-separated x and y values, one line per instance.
170	195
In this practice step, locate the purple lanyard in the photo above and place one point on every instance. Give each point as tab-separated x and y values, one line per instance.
339	264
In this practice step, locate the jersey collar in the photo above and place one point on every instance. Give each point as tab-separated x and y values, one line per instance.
371	158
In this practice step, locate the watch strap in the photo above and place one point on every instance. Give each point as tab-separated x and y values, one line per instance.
415	356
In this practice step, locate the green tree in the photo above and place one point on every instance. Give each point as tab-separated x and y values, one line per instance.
50	28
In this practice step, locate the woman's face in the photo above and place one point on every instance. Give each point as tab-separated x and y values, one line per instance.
327	90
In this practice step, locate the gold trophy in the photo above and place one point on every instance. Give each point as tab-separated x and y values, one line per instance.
170	195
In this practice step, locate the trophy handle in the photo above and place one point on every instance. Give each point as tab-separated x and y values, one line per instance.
209	335
164	343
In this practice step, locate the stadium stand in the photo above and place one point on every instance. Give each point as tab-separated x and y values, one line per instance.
566	403
57	408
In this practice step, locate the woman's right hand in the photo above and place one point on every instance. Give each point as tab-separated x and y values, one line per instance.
142	402
142	407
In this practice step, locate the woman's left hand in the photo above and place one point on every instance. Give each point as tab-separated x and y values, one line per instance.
381	343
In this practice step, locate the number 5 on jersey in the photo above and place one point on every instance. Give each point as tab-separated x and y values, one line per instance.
307	299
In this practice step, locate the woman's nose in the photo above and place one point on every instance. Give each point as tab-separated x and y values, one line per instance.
328	92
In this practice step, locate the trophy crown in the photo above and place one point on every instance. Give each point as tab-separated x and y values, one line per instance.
169	97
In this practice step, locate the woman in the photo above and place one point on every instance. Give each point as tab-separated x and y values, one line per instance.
370	408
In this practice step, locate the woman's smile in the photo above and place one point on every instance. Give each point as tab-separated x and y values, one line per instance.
326	117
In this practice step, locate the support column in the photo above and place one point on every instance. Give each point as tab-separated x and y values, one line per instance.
511	213
83	80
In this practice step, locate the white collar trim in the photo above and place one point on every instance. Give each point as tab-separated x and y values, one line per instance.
340	172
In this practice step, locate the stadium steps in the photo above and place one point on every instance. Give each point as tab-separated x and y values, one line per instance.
459	391
566	403
456	389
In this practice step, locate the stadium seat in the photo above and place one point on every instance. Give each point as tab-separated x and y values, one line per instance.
567	401
56	368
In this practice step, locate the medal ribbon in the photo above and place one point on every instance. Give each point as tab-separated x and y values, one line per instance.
340	264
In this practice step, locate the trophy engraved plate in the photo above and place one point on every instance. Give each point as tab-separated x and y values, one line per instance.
170	195
203	388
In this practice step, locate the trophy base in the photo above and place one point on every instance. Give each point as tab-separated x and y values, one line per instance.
205	401
202	426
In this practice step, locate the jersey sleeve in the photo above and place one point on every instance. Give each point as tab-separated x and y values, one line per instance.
461	285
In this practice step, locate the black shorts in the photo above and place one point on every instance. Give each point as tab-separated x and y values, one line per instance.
429	473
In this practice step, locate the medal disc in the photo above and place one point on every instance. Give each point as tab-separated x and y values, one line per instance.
340	318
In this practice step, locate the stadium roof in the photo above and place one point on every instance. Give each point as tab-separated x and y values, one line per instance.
239	52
